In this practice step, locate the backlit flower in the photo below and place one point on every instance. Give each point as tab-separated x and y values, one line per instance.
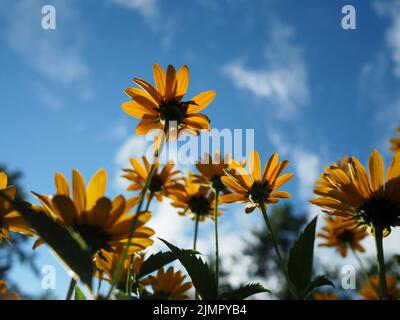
10	220
258	187
212	170
163	182
370	200
169	285
395	143
369	289
164	103
343	238
194	200
102	223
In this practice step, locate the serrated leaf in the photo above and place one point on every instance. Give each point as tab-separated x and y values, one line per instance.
79	295
71	253
244	291
157	261
203	278
300	262
316	283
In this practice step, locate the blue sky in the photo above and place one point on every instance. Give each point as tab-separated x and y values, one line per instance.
309	89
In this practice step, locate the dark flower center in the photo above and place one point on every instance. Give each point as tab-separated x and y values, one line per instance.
94	237
380	212
216	183
155	184
346	237
174	111
259	192
199	205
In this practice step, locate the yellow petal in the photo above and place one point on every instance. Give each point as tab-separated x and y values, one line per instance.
201	101
64	208
376	170
235	197
61	184
182	77
96	188
255	165
137	110
171	85
3	180
270	166
78	190
159	78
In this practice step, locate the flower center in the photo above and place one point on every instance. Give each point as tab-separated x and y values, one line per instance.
379	212
216	183
94	237
199	205
155	184
346	237
259	193
174	111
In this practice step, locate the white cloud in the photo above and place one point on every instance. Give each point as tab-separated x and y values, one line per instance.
307	163
283	81
133	146
392	36
147	8
56	55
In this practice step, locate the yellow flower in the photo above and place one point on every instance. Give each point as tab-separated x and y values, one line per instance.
107	266
369	292
325	296
258	187
212	170
395	143
194	200
102	223
169	285
156	106
343	238
164	181
10	220
5	294
348	191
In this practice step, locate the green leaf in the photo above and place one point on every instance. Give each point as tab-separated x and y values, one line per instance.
122	296
300	262
62	243
157	261
316	283
79	294
202	277
244	292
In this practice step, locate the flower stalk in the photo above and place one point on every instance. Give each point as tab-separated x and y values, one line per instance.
378	234
216	239
277	251
118	271
71	289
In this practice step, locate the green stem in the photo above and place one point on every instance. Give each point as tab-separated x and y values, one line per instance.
128	287
196	229
278	254
378	232
99	283
71	289
216	239
118	272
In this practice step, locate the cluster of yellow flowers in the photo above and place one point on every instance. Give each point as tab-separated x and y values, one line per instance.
117	235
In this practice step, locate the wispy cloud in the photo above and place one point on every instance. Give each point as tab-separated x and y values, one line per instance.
55	55
283	80
147	8
133	146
